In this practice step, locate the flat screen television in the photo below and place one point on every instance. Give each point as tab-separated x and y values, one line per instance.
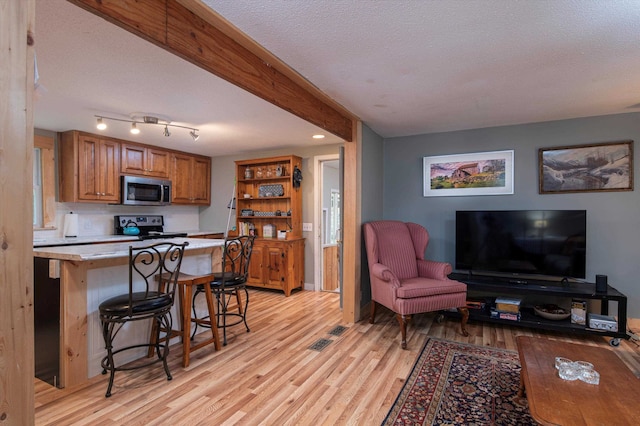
548	244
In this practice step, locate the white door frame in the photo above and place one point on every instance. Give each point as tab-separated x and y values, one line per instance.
317	216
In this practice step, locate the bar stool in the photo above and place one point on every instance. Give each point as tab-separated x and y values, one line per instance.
186	283
142	302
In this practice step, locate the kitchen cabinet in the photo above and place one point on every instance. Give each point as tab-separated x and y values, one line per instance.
191	179
144	160
277	264
89	168
268	200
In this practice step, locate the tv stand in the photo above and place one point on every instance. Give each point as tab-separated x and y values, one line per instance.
484	286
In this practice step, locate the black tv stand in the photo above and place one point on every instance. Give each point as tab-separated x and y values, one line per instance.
528	289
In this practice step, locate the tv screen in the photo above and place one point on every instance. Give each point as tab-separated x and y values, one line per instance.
522	242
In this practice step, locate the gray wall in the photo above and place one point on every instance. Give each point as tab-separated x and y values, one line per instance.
613	218
372	156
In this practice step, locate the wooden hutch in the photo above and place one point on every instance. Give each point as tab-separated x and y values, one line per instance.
269	205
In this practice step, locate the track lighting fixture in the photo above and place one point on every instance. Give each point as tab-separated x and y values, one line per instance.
101	125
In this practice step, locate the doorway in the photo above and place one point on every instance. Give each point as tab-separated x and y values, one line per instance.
328	216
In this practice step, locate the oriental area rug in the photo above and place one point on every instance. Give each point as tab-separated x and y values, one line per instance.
461	384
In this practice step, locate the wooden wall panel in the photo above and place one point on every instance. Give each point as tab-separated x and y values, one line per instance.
17	38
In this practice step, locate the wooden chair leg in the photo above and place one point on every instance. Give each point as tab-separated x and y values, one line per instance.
239	302
403	320
372	318
464	312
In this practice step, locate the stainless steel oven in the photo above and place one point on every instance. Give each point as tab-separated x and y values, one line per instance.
142	191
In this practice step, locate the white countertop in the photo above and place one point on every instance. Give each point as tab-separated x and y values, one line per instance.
97	239
114	250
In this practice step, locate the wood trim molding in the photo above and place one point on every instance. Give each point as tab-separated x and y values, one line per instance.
17	40
199	35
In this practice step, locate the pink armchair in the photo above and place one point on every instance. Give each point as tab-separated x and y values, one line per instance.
401	278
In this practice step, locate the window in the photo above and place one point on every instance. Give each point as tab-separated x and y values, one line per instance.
37	188
334	225
44	182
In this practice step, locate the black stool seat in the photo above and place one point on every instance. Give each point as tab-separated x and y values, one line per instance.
141	303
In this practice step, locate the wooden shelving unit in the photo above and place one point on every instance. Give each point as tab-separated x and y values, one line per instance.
269	205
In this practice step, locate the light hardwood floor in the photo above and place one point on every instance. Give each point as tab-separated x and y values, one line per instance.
270	376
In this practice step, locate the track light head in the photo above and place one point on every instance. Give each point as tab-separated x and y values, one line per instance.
101	124
194	135
166	131
134	129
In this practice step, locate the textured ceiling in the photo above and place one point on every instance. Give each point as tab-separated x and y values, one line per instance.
410	67
404	67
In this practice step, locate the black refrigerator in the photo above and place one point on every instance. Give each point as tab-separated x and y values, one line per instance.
46	320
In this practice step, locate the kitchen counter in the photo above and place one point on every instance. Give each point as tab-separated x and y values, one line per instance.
114	250
91	273
100	239
72	241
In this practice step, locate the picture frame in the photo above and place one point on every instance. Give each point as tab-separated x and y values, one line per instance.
479	173
598	167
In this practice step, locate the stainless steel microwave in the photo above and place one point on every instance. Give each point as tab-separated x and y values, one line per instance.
142	191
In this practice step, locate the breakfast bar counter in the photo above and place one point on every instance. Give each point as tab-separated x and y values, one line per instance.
92	273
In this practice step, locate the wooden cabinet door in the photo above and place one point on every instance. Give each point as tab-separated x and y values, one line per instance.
143	161
181	179
133	160
88	179
158	163
109	163
191	180
98	171
257	265
276	265
201	181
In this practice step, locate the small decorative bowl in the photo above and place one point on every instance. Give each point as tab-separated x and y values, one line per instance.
551	312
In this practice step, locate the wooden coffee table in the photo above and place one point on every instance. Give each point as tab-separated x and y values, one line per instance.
554	401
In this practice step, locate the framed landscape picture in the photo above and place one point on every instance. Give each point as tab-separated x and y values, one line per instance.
586	168
480	173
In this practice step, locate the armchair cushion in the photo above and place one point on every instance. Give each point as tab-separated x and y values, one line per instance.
423	287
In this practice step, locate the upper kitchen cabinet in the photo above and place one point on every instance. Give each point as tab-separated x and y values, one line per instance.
144	160
89	168
191	179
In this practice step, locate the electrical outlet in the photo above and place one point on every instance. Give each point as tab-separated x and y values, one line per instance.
307	227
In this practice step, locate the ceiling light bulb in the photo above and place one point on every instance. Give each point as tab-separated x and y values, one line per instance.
134	129
166	131
318	136
101	124
194	135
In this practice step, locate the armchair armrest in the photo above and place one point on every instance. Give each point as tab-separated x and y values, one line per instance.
433	269
383	273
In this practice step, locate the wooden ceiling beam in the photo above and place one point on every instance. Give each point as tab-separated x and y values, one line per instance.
193	31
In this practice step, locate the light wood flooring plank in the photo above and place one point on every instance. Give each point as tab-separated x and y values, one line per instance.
270	376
